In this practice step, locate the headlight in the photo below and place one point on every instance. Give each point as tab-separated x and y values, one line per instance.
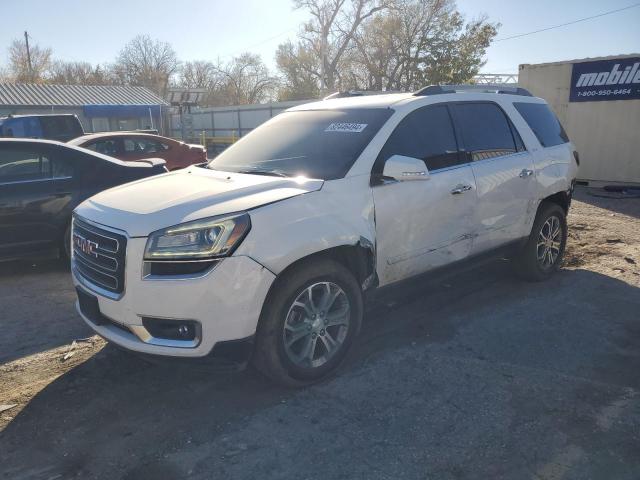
202	239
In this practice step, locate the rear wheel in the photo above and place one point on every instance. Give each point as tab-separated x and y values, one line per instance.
308	324
542	255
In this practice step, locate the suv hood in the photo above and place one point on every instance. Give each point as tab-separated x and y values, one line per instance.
147	205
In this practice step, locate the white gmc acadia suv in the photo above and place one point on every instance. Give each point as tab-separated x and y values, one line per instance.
265	252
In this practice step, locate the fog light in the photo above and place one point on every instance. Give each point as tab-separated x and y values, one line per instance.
171	329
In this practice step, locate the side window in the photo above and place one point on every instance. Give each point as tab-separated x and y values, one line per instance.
52	127
131	146
23	165
485	130
33	127
143	145
151	146
544	124
106	147
61	168
74	127
16	128
427	134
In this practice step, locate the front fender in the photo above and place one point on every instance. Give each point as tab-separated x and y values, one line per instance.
341	213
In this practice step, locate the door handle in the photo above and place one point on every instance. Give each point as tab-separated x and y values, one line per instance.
460	189
525	173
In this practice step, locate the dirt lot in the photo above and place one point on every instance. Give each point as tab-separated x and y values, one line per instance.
474	376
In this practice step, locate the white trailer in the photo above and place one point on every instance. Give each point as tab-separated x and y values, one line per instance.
598	102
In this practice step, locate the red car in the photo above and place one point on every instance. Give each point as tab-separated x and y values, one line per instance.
141	146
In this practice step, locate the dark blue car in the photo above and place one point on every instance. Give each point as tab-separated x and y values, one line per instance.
42	181
61	127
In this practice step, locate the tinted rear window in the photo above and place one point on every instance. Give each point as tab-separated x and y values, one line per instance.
544	124
485	130
61	128
313	143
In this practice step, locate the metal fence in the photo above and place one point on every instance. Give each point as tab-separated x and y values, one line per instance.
220	125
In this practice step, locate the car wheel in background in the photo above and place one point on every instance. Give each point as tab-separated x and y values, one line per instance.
65	248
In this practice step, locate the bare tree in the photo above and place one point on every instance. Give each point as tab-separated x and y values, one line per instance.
4	75
245	80
19	68
146	62
199	74
79	73
298	66
330	32
402	46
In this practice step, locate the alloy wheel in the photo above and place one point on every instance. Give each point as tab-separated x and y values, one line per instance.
549	242
316	325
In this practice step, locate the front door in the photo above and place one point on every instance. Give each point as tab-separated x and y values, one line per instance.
504	173
26	200
423	224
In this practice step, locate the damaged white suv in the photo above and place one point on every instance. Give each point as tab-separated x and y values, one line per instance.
266	251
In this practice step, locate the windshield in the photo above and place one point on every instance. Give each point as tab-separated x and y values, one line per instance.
321	144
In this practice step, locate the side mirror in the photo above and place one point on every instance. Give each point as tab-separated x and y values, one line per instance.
403	168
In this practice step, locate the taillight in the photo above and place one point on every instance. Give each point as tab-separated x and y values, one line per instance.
577	157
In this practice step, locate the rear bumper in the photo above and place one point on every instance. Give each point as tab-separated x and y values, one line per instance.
224	303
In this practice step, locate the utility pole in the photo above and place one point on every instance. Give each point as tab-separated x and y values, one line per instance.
26	41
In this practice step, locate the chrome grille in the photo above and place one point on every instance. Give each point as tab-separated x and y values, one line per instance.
99	255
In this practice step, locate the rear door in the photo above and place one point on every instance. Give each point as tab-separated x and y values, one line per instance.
27	201
422	225
503	170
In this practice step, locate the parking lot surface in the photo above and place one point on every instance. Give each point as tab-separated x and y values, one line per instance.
475	375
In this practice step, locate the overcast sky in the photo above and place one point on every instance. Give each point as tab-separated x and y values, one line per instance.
96	30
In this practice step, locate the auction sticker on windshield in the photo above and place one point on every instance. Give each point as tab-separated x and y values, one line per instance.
346	127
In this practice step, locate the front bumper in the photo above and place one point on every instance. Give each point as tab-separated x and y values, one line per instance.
225	302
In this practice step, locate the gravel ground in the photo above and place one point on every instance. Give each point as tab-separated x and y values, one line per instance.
472	376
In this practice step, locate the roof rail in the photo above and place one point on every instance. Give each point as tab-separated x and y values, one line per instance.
441	89
356	93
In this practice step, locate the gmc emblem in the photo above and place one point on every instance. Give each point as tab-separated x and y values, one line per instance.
85	246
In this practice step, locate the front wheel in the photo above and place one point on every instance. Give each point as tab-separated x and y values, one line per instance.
542	254
65	247
308	324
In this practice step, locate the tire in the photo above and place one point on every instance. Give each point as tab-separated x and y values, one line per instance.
540	258
291	326
65	246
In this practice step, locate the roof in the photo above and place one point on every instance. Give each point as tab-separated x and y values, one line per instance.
362	101
28	94
120	134
399	100
30	140
70	146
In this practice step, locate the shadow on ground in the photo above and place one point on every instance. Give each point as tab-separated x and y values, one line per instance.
481	376
625	204
37	310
